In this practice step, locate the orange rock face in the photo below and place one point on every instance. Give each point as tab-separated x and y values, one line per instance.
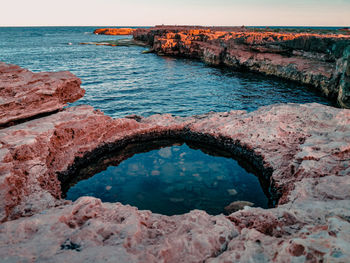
318	60
114	31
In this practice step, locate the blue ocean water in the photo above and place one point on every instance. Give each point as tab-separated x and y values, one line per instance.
122	81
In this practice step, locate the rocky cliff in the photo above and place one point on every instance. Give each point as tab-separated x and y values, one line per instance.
318	60
303	150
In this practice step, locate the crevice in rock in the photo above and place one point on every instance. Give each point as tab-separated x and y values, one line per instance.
217	253
20	121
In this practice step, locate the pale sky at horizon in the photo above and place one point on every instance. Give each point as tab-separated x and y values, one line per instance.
180	12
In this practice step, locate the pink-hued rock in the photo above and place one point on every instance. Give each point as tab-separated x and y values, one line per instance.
91	231
24	94
32	152
303	149
318	60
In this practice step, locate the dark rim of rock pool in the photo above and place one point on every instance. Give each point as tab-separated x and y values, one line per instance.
170	177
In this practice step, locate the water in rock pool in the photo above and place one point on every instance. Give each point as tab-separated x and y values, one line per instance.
122	81
172	180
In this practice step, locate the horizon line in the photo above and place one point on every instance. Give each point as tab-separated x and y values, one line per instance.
174	25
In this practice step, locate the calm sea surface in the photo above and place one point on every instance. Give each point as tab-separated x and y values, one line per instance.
122	81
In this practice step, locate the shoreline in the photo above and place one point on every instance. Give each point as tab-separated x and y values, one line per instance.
316	60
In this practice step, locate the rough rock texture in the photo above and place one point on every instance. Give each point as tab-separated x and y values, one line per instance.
318	60
303	149
343	65
114	31
24	94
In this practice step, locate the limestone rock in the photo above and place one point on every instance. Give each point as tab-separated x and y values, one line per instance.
24	94
302	150
343	68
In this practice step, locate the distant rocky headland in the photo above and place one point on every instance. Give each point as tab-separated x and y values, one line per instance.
317	58
114	31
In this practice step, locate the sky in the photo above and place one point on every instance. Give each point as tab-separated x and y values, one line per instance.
179	12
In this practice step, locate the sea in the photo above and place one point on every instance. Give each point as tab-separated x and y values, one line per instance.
122	81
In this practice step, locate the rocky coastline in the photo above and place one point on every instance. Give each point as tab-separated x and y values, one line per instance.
114	31
303	150
320	60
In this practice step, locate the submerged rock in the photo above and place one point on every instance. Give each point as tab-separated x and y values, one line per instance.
318	60
116	43
236	206
302	149
232	191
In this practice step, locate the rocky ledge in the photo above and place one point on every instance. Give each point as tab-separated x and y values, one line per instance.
24	94
319	60
114	31
303	150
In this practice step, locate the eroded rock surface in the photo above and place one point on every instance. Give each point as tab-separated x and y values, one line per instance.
303	149
318	60
24	94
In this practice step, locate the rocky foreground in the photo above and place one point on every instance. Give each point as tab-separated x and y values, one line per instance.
24	94
319	60
303	150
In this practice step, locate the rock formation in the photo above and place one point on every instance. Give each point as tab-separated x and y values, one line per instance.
318	60
114	31
304	150
24	94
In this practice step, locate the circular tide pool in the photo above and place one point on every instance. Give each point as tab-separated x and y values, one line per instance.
170	180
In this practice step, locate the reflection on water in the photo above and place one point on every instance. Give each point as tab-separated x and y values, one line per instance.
173	180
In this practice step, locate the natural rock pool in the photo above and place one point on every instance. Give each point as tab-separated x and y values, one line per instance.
173	179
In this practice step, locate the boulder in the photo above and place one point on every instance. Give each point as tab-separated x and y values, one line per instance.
25	95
